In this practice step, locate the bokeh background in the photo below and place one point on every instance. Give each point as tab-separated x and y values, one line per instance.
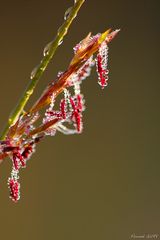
103	184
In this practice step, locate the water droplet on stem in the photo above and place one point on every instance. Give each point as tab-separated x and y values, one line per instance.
60	42
34	72
67	13
47	48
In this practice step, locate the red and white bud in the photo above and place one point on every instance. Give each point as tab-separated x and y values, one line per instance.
102	65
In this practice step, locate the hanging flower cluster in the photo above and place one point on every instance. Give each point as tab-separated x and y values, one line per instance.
24	134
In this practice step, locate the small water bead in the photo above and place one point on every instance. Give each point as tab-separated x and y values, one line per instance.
30	126
34	72
77	89
67	13
73	78
60	42
62	30
63	129
35	117
50	131
103	83
77	47
59	74
52	100
42	67
14	174
28	114
47	48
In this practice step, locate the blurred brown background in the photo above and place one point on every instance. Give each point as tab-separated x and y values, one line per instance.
103	184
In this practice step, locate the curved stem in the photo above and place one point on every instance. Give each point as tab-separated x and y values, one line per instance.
62	31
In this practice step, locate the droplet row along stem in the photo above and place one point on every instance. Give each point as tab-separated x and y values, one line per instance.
41	67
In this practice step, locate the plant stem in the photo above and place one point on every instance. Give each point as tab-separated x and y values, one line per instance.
62	31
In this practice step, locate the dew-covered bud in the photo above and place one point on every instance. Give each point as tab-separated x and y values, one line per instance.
14	187
102	65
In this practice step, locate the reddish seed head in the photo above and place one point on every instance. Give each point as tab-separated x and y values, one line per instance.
27	153
18	160
14	186
78	120
63	108
102	65
77	113
79	102
103	78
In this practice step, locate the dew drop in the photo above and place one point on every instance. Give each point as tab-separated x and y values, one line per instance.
62	30
47	48
59	74
50	132
60	42
67	13
34	72
59	30
103	83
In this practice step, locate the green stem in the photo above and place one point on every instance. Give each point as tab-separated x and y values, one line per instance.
62	31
